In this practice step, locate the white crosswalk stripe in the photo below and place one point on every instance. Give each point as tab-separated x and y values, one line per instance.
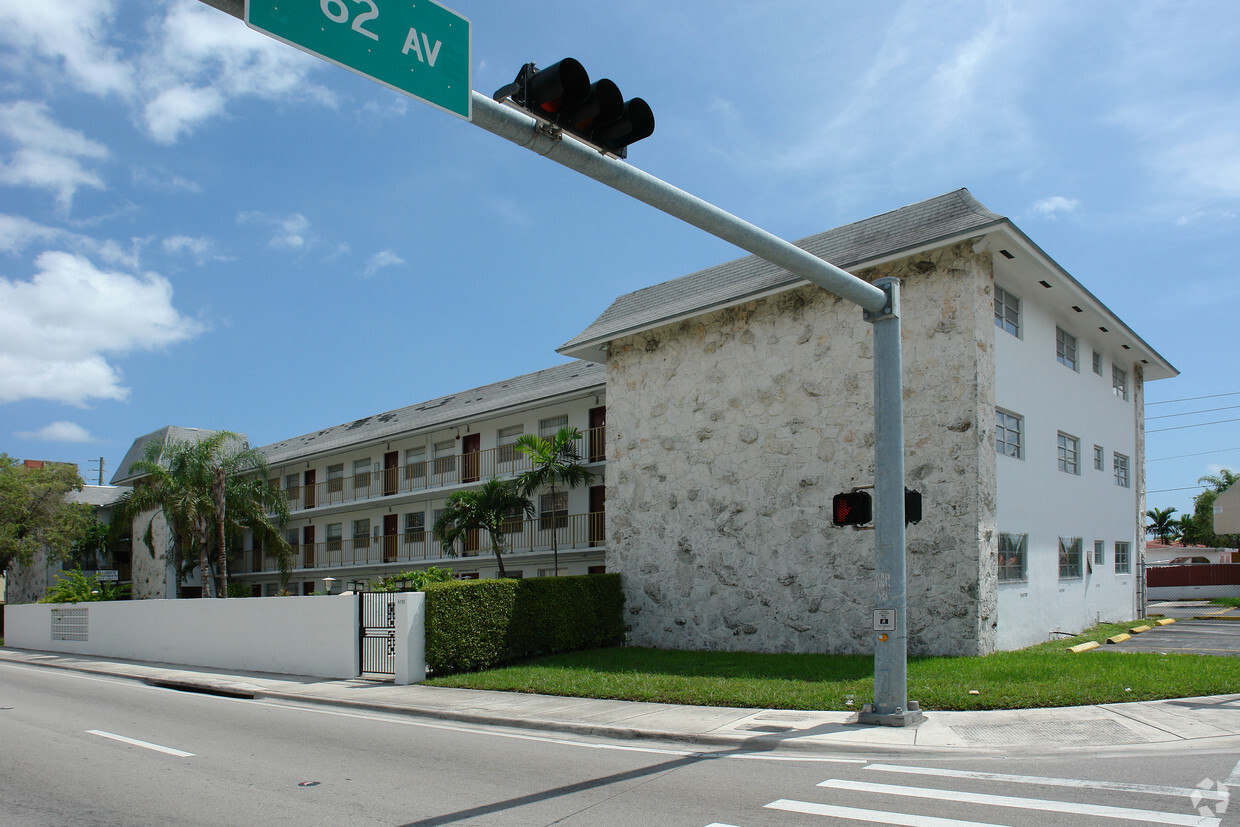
988	800
872	816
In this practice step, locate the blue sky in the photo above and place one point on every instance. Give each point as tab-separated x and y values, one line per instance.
201	226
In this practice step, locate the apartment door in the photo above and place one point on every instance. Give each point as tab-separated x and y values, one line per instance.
307	545
389	538
598	434
598	509
391	467
308	489
471	453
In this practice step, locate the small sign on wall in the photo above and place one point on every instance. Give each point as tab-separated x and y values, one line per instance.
884	620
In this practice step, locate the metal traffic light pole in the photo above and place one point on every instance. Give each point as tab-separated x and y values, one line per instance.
881	305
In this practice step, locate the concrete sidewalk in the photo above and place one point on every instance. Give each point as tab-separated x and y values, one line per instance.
1088	727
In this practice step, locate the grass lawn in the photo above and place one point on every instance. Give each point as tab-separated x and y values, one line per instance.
1226	601
1040	676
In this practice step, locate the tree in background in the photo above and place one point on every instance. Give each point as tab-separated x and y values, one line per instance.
1200	531
34	515
1162	525
487	509
217	482
555	462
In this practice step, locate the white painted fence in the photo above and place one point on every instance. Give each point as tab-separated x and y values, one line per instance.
315	636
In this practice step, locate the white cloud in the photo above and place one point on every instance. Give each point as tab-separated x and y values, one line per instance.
58	432
1052	206
47	154
205	59
200	248
67	33
17	231
164	181
289	232
384	258
57	328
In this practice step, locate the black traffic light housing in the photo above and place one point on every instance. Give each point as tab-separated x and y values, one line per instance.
852	508
597	113
912	506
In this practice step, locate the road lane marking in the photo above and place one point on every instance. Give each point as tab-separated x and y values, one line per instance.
1085	784
135	742
872	816
959	796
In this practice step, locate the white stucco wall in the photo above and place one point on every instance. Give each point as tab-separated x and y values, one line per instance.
314	636
1037	499
728	435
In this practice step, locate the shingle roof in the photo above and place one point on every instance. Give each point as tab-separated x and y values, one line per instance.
169	433
891	233
574	376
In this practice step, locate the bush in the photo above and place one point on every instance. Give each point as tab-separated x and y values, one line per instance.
240	590
418	579
75	587
477	624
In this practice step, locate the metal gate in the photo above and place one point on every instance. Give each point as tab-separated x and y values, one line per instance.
378	632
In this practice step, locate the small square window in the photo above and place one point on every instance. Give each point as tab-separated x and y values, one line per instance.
1009	434
551	425
1070	558
1007	311
1012	552
1121	471
1100	552
1065	349
1097	363
1123	557
1099	455
1069	454
1119	382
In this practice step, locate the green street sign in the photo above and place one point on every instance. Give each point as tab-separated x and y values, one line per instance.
413	46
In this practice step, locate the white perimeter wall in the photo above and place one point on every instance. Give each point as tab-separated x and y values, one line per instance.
314	636
1036	498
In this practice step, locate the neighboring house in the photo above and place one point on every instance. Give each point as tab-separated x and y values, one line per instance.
740	401
1227	511
364	495
1157	553
29	584
152	562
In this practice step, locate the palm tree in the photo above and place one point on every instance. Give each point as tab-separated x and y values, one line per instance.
1163	525
488	509
1221	481
217	481
556	462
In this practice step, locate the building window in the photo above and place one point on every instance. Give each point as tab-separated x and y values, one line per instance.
335	478
1009	434
1100	552
552	424
553	510
1123	558
415	527
361	533
1099	455
1069	454
1070	558
335	536
361	475
445	457
514	521
1012	548
1119	382
1121	470
292	487
1097	363
415	463
1007	311
1065	348
506	443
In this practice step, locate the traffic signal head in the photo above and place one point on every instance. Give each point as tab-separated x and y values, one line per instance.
912	506
597	113
853	508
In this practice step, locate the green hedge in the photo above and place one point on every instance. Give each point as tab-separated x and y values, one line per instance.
477	624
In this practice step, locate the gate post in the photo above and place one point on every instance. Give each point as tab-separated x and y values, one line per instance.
410	640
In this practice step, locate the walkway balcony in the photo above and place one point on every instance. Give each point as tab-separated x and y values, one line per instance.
438	472
572	531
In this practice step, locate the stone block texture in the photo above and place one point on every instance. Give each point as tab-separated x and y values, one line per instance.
729	433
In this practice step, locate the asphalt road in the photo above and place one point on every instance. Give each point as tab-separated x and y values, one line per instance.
1193	637
81	749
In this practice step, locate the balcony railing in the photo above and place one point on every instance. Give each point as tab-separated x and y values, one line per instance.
572	531
439	472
